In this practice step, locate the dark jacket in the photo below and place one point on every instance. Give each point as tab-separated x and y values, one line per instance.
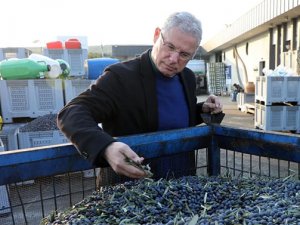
123	100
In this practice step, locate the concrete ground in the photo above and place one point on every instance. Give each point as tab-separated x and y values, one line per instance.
233	116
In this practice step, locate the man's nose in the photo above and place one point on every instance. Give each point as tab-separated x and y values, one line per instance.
174	56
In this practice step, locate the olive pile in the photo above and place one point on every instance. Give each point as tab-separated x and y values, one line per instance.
189	200
41	123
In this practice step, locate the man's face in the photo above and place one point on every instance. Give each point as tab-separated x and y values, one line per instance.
172	50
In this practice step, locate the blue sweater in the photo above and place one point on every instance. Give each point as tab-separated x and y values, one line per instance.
172	106
173	113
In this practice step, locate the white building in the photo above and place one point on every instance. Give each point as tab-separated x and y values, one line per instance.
267	36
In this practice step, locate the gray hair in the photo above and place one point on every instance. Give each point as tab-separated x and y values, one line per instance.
186	22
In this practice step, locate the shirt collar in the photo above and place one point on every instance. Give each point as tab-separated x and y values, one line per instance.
155	68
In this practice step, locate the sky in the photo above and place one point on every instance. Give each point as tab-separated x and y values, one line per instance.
33	23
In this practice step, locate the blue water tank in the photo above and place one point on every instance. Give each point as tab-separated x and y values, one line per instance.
96	66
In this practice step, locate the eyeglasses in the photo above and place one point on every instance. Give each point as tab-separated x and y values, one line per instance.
171	48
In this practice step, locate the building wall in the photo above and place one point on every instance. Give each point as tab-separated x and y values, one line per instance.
245	57
276	44
289	56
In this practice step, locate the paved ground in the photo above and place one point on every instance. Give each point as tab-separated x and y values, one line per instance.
233	116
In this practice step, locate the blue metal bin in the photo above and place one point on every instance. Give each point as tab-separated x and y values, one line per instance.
59	183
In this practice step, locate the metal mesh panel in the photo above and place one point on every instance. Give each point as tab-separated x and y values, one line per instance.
55	54
29	202
45	94
75	59
241	164
18	92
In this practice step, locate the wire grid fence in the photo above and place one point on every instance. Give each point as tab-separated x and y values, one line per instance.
33	200
241	164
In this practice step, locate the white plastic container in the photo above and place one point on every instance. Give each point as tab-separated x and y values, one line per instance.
30	98
74	87
244	98
276	89
40	138
55	70
277	118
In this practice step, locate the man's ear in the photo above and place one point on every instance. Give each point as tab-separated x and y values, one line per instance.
156	34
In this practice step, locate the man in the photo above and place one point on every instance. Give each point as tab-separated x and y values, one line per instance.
152	92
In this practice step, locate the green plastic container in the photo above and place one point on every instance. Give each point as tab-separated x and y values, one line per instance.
17	69
65	68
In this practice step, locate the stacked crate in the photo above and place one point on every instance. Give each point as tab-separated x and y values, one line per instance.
8	135
73	88
277	103
216	78
8	53
41	138
75	58
30	98
27	100
37	138
245	102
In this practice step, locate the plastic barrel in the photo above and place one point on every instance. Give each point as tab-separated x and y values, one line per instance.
96	66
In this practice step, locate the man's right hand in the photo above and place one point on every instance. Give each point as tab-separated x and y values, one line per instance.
212	105
115	155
